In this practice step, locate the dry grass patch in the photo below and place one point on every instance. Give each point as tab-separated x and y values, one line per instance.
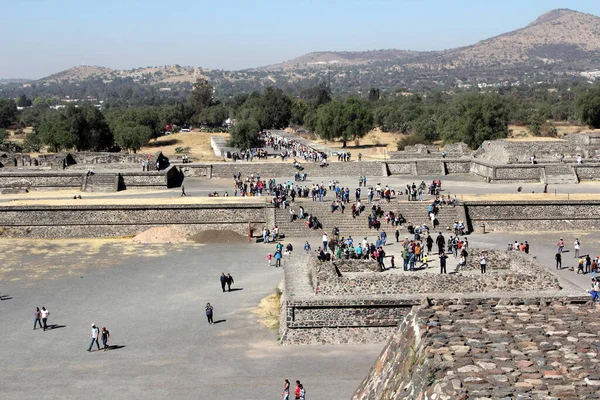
197	145
269	310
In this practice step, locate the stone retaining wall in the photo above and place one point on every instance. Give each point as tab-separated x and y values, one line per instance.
530	215
122	220
507	272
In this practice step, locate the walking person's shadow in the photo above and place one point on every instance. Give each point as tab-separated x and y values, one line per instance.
235	289
114	347
219	321
5	297
55	326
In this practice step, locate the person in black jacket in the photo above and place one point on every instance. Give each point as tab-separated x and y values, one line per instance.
440	241
229	280
223	281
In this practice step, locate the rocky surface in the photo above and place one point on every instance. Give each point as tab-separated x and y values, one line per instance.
490	350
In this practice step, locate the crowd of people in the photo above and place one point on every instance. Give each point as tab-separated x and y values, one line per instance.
289	148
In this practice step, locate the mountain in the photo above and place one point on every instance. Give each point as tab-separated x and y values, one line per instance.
557	36
148	75
558	45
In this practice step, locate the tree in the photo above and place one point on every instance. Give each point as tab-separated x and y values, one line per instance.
244	135
374	94
588	107
475	118
23	101
202	95
130	136
214	116
347	120
316	96
8	112
3	135
55	132
299	110
274	109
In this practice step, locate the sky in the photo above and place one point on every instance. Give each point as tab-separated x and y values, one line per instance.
42	37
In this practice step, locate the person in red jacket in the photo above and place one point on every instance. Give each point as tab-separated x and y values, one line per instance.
297	391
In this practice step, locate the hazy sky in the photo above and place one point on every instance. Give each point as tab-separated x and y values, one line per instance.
41	37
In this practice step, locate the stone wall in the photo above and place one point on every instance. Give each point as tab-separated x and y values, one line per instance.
402	168
530	215
41	180
510	349
287	170
121	220
507	272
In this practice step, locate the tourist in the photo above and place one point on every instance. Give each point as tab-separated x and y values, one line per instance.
594	267
429	242
229	280
223	281
483	262
443	258
183	191
105	335
397	234
94	335
580	266
302	390
286	390
278	259
392	262
560	245
440	241
307	247
588	264
325	240
595	290
269	258
37	318
45	314
209	313
577	247
265	235
558	258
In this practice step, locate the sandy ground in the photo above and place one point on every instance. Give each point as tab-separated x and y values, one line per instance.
374	145
198	144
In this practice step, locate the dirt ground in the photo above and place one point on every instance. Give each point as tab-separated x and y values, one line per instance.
374	145
197	144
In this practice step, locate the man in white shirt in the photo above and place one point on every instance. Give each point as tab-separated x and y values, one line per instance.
94	336
45	313
577	247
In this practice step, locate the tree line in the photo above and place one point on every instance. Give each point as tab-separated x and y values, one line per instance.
471	117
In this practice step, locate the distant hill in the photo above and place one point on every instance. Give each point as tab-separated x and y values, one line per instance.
557	36
559	43
147	75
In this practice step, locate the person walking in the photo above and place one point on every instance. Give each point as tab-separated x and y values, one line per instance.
183	191
558	258
441	242
229	281
94	335
223	281
45	313
286	390
483	263
577	247
297	391
302	392
560	245
443	258
269	258
278	259
37	318
105	335
325	240
307	247
209	313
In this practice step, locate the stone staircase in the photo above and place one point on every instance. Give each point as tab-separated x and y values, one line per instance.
414	212
560	173
100	183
